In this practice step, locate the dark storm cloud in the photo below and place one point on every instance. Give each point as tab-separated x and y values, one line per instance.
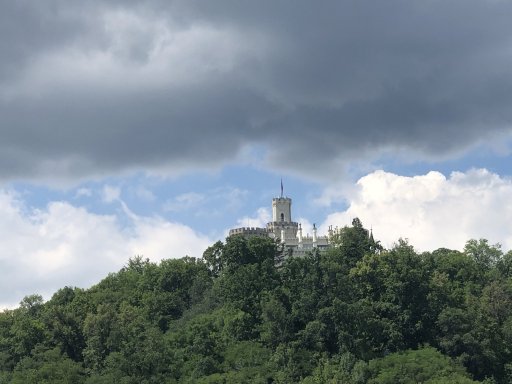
104	86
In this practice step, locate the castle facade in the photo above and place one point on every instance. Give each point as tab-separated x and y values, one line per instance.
287	231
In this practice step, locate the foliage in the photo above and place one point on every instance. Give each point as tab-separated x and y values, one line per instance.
244	313
421	366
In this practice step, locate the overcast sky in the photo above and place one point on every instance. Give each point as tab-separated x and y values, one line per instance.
152	127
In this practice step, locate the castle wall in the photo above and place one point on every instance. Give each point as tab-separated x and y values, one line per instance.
284	229
248	231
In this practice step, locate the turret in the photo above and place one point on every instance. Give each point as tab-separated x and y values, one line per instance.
282	225
281	210
330	232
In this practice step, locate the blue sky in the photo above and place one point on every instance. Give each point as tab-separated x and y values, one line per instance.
151	128
209	202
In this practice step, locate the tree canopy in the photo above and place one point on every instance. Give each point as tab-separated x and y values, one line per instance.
244	313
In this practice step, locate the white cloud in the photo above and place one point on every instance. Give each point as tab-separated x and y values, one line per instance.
158	239
306	225
260	219
432	211
234	198
144	194
184	201
44	250
83	192
110	194
223	199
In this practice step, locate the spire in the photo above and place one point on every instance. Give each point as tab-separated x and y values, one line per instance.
281	187
375	247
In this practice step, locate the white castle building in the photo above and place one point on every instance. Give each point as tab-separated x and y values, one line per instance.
289	232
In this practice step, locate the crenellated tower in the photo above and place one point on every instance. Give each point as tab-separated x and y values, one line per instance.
282	226
285	230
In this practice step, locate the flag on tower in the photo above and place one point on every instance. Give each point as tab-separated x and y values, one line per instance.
281	187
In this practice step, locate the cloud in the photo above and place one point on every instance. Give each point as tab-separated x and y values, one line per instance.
221	199
260	219
83	192
431	210
185	201
46	249
110	193
144	194
101	87
306	225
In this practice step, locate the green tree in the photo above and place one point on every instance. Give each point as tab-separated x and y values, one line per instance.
354	242
395	283
64	322
27	330
484	254
343	368
425	365
213	257
47	367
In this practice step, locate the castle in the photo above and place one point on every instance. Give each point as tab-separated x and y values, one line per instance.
287	231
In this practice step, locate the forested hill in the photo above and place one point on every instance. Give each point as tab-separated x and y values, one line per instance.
246	314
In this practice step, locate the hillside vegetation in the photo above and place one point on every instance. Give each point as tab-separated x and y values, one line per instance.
245	314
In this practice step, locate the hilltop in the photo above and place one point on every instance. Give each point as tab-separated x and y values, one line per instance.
246	313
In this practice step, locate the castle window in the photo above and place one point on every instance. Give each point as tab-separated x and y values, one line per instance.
282	216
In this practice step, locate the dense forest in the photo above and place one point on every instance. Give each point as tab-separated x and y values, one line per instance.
245	313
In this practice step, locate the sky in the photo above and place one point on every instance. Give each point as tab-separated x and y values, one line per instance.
153	127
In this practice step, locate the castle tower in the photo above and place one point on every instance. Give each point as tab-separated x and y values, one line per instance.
286	231
282	225
282	209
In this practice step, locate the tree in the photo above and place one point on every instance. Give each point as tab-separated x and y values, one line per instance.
425	365
395	283
47	367
485	255
354	242
213	258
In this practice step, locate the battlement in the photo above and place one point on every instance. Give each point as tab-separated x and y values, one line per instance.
282	199
280	224
248	231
